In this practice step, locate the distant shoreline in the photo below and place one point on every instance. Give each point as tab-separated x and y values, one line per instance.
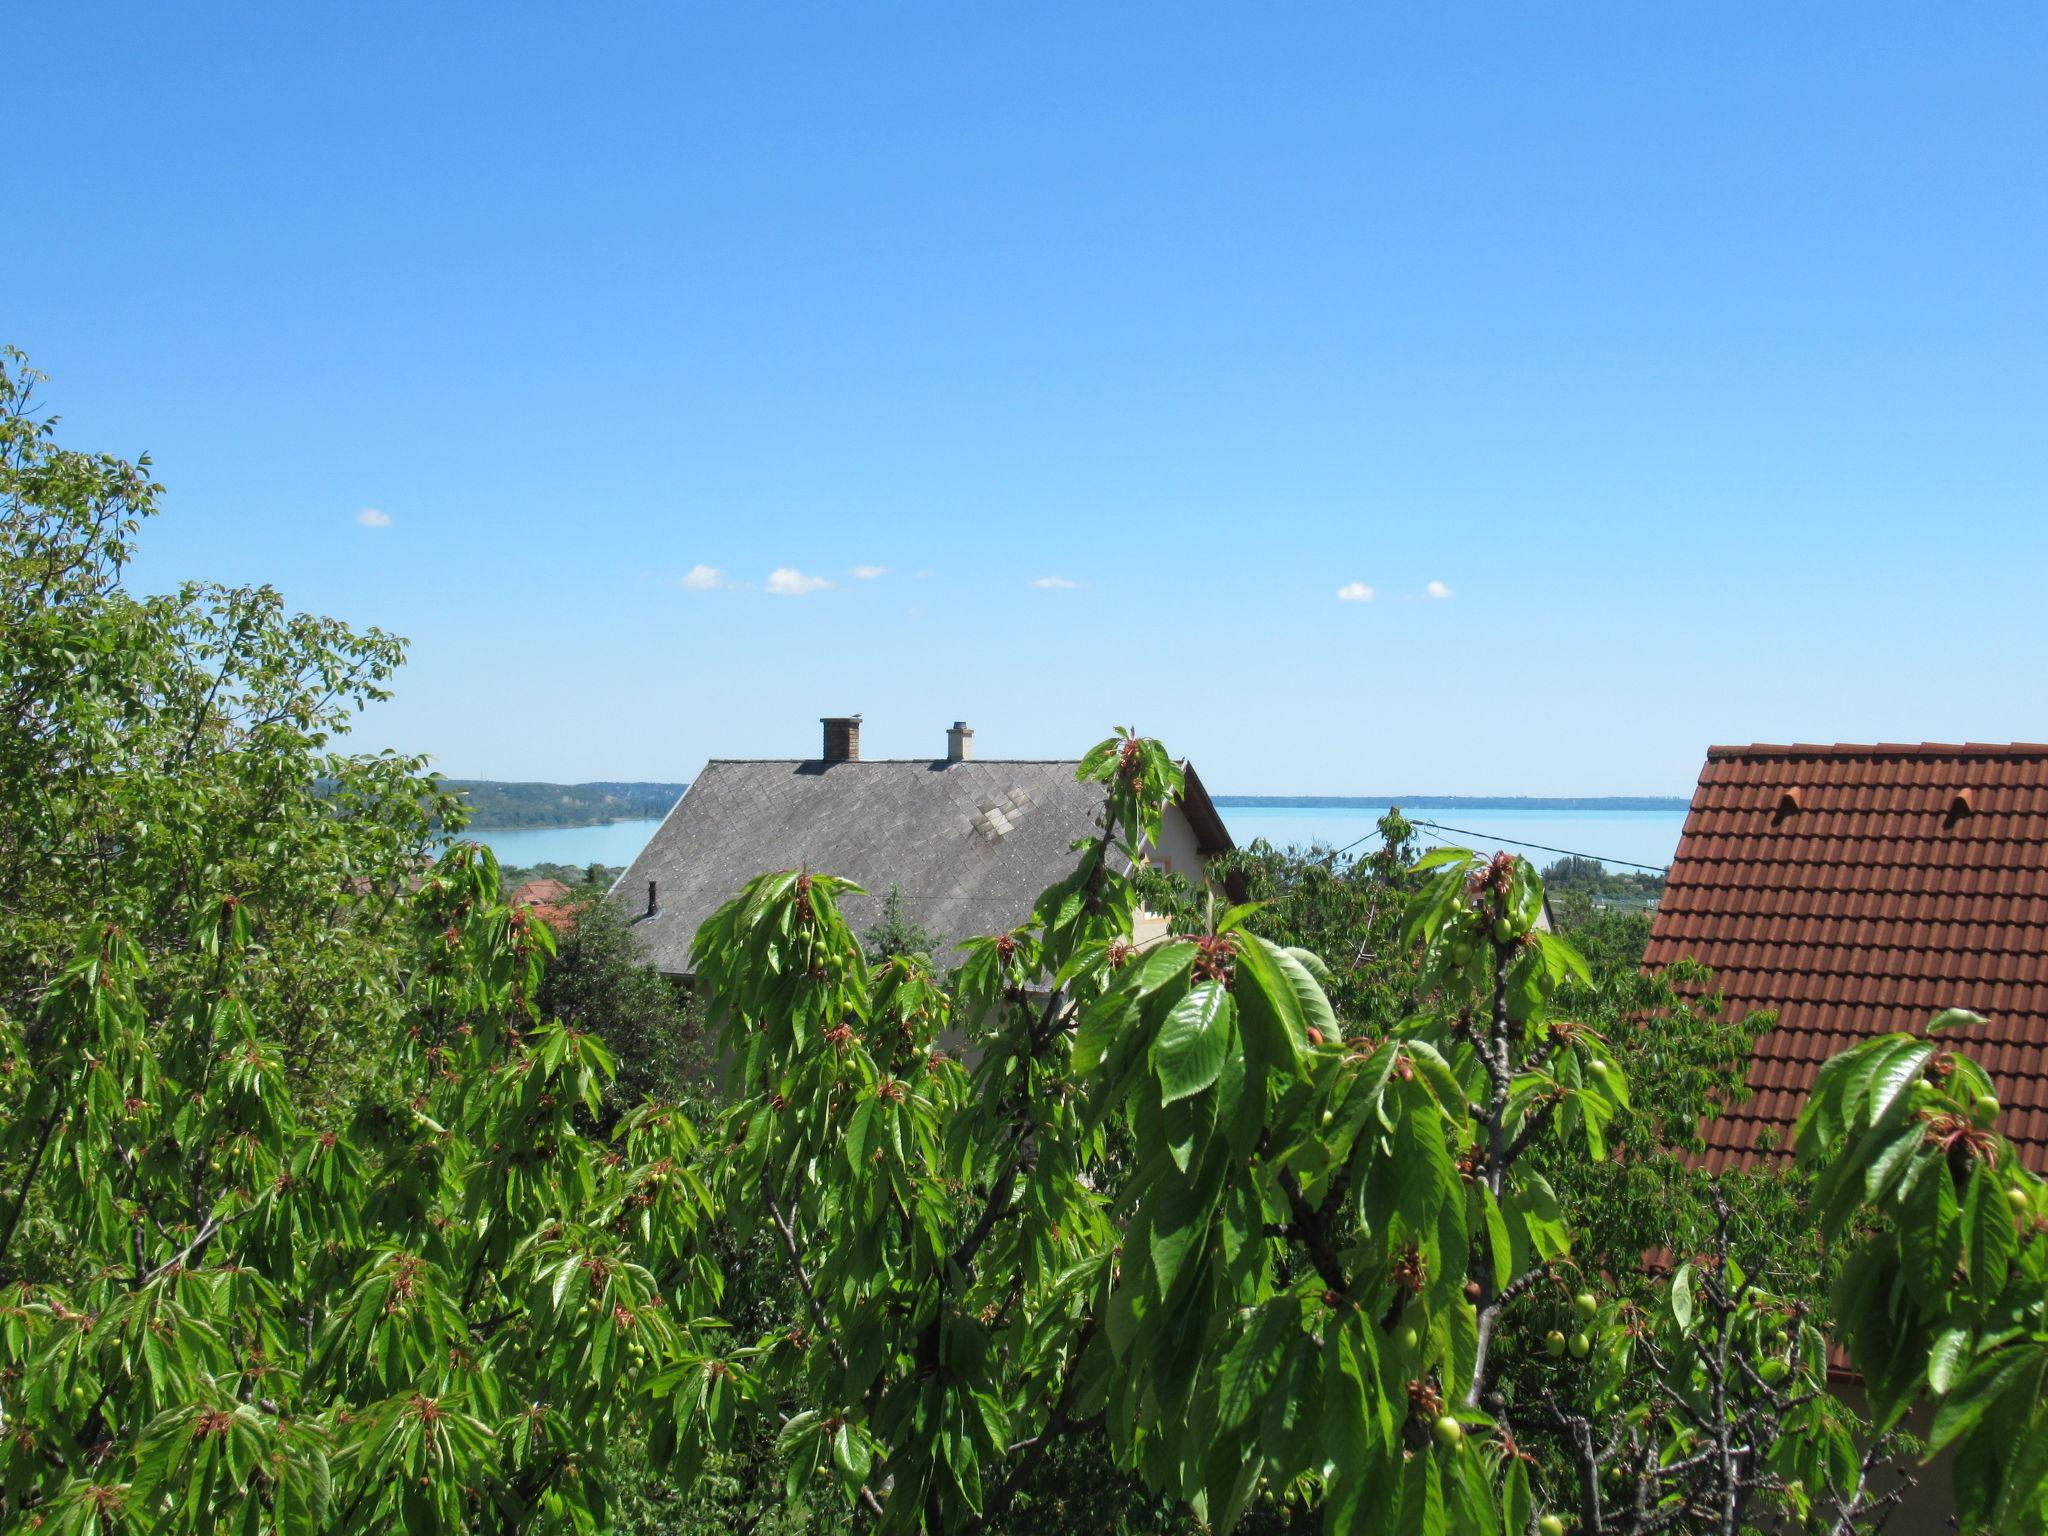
548	826
1457	802
1670	804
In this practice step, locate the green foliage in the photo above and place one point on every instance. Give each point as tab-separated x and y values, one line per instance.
433	1317
303	1229
1346	911
1576	876
159	753
1944	1293
894	933
1175	1203
600	984
582	879
1613	939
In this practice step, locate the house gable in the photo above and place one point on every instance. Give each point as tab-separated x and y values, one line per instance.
968	843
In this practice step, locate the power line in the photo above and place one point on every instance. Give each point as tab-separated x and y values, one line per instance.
1655	869
1495	837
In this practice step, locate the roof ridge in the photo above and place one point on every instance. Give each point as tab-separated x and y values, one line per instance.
867	762
1881	749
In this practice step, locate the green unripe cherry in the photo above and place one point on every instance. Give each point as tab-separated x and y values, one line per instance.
1781	1338
1984	1109
2017	1198
1411	1340
1503	930
1553	1344
1587	1303
1450	1434
1550	1525
1581	1346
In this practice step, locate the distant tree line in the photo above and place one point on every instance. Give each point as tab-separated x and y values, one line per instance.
582	879
1578	876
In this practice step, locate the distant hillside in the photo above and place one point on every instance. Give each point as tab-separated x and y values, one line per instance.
1466	802
496	803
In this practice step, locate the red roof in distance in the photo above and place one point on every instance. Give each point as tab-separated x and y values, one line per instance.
548	900
537	893
1860	890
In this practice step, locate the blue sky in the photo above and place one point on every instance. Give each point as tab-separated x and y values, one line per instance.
1700	356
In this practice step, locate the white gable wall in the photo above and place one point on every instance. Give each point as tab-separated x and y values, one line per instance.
1177	851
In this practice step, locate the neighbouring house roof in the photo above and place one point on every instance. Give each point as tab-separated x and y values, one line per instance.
968	844
1862	889
549	900
536	893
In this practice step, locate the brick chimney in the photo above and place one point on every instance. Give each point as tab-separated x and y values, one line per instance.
842	738
960	742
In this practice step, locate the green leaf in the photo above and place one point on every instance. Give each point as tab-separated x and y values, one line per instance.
1181	1213
1954	1018
1499	1249
1188	1052
1987	1384
1254	1361
1311	1003
1682	1298
1989	1240
2026	1477
1443	1082
1237	916
1268	1012
1349	1385
857	1131
851	1455
1947	1359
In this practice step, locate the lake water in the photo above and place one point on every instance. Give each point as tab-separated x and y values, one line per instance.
1641	837
615	842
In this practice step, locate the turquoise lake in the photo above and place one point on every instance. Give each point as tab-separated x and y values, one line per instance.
1640	837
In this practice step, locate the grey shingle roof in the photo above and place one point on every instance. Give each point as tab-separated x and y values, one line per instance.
970	844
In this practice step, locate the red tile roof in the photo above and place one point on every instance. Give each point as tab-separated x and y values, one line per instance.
548	900
1862	889
537	893
561	918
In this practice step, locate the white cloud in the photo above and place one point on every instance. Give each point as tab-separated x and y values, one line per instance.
1354	592
787	581
1055	583
704	578
370	517
869	572
1437	589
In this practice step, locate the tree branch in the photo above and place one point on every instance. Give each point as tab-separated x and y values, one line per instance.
803	1278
